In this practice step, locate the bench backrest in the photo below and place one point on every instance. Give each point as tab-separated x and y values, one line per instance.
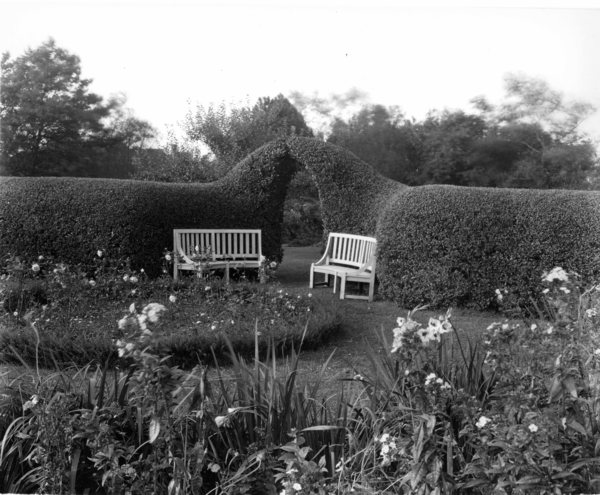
219	244
352	250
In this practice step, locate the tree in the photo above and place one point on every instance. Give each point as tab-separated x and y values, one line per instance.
448	140
232	134
540	132
51	124
381	137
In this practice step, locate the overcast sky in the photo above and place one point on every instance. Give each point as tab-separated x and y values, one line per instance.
420	56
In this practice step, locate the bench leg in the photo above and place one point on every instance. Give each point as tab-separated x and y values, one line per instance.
175	271
227	273
371	290
311	281
342	285
335	277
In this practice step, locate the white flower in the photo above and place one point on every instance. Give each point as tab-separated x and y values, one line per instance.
597	352
309	295
125	278
168	257
398	334
429	378
152	311
384	437
214	327
31	402
214	467
123	323
533	327
132	308
565	290
35	267
207	288
172	298
99	253
221	421
499	295
545	291
482	421
532	428
273	265
590	313
133	280
549	330
557	273
92	283
297	487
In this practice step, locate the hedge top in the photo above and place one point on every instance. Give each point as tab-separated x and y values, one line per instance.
351	192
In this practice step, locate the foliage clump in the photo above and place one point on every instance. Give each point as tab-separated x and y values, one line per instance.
72	309
351	192
70	218
448	245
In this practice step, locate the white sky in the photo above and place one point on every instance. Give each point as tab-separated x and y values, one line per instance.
417	55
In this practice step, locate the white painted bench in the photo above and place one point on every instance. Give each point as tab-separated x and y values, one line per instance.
199	249
351	258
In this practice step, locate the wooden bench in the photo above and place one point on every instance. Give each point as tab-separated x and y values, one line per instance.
349	257
200	249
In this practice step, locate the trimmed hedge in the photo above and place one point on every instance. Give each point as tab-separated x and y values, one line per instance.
351	192
71	218
449	246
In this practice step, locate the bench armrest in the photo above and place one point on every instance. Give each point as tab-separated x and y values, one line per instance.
181	254
325	258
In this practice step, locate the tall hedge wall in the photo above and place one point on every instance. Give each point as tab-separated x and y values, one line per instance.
351	192
71	218
447	245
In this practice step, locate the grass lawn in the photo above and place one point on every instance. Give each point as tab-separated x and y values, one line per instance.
361	320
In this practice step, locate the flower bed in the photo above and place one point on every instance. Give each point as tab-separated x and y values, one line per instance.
73	313
516	413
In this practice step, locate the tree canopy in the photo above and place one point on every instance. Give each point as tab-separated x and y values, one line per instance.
52	124
231	134
532	139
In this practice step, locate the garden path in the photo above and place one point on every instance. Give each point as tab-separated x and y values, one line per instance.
361	320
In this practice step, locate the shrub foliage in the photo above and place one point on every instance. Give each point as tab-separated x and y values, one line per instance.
352	193
448	245
441	245
70	218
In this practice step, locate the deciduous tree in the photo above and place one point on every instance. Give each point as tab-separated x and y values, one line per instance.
51	123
